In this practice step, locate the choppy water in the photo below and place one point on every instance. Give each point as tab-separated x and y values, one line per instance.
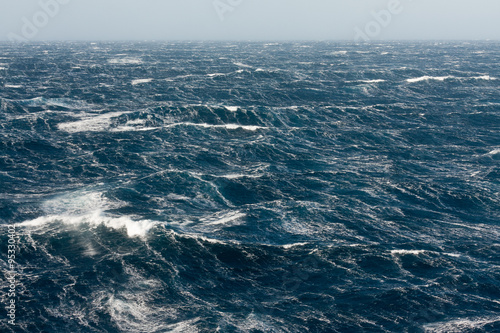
252	187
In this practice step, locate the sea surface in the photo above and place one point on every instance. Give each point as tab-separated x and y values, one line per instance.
251	187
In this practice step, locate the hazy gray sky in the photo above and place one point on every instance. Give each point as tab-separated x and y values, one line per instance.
249	19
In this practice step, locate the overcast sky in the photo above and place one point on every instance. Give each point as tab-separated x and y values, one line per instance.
249	19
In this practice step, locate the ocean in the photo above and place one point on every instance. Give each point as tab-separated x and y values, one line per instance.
250	187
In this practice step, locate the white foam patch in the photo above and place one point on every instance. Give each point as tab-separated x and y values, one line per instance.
125	61
92	124
404	252
494	151
428	78
140	81
97	218
460	325
14	86
2	68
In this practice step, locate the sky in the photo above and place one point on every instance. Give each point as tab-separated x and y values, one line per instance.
360	20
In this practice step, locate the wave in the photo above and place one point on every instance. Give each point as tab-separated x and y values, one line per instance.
461	325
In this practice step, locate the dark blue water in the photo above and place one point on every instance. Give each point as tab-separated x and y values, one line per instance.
251	187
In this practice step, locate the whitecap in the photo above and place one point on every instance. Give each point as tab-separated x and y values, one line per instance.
223	218
139	81
494	152
427	78
93	124
232	108
78	202
133	129
125	61
372	81
226	126
239	175
241	65
216	74
403	252
14	86
289	246
133	228
187	326
485	77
